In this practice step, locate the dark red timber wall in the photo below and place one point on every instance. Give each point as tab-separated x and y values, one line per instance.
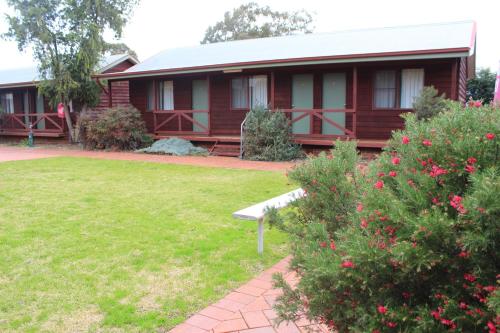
446	75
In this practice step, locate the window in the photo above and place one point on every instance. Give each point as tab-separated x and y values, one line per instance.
258	91
385	89
412	82
151	97
249	92
166	95
397	89
7	102
239	93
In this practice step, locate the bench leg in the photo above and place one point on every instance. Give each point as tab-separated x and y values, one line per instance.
260	241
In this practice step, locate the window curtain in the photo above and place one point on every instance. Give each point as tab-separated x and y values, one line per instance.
151	96
166	95
412	83
258	91
239	93
385	89
7	102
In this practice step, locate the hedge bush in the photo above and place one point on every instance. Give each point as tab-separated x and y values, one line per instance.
267	137
411	244
119	128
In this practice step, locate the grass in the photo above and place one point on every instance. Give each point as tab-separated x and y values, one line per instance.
94	245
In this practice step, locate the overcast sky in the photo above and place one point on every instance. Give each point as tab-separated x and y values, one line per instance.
159	24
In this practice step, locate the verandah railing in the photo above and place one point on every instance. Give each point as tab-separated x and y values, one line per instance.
296	115
184	122
181	122
40	123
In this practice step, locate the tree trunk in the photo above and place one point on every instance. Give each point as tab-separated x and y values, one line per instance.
69	122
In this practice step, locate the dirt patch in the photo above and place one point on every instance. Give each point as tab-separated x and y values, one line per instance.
79	321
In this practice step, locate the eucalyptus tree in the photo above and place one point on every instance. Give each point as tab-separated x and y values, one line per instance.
253	21
67	39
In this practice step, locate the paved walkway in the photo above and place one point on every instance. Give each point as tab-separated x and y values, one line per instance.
10	153
248	309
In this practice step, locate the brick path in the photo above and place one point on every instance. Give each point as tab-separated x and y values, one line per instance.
248	309
9	153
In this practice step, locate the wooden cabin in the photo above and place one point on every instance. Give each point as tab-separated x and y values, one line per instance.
23	105
348	84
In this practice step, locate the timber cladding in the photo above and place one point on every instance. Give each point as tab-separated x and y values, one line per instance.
371	123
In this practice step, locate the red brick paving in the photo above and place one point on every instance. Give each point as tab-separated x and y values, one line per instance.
248	309
9	153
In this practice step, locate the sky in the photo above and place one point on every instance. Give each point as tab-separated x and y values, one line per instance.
156	25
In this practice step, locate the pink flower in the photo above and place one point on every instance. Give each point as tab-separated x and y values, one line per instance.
490	136
427	143
393	173
435	200
379	184
437	171
364	223
332	245
396	160
470	168
391	324
381	309
478	104
469	277
464	254
492	327
471	160
405	140
463	305
359	208
322	244
347	264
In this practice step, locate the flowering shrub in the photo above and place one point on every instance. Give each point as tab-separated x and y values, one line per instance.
409	245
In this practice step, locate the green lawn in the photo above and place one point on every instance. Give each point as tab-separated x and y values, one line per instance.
94	245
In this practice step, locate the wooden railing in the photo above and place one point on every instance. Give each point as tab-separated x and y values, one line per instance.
20	122
320	114
180	122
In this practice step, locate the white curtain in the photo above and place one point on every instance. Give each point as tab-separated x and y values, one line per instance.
385	89
151	96
258	90
412	82
7	102
239	93
168	95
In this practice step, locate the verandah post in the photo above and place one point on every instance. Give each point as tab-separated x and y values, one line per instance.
272	90
354	98
260	239
155	105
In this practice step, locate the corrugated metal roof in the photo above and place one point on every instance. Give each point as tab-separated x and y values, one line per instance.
29	75
440	36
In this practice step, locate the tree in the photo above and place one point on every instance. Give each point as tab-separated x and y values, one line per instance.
68	43
482	86
251	21
121	48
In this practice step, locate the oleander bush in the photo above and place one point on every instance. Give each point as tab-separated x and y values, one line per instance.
409	244
118	128
267	137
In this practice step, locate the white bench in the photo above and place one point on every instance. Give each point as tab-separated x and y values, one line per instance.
258	211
